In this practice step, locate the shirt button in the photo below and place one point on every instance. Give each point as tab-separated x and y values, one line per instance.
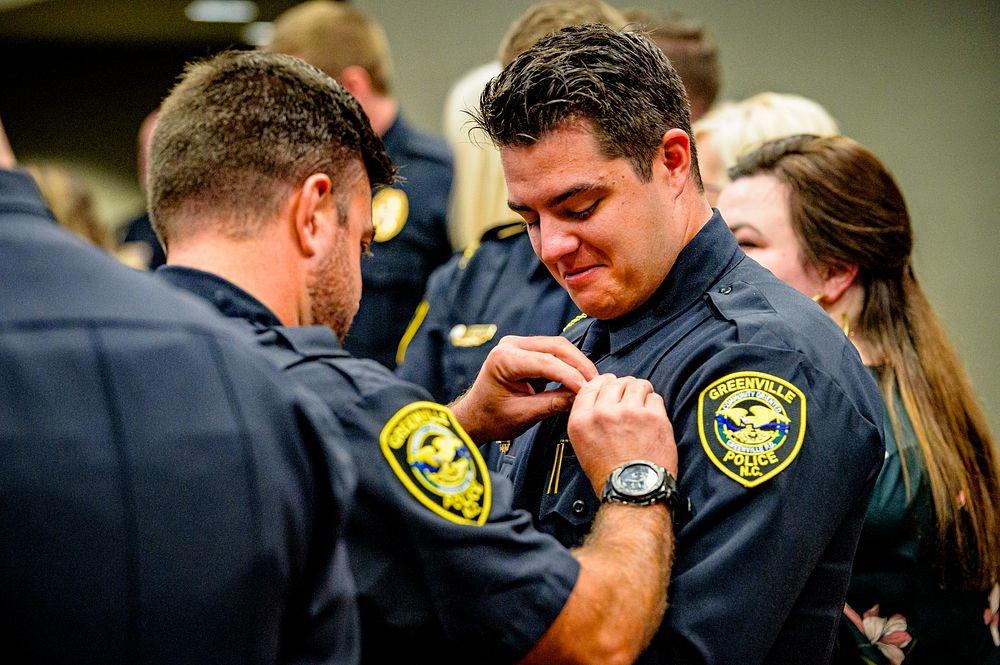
579	506
725	290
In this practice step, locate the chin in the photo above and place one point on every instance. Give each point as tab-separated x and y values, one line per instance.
597	310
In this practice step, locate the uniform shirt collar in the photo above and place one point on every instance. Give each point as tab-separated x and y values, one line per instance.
522	256
312	341
228	298
701	263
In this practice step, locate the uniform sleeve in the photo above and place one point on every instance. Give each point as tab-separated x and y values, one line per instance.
779	461
437	551
422	347
329	631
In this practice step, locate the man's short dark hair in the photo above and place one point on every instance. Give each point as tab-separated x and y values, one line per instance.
618	81
242	130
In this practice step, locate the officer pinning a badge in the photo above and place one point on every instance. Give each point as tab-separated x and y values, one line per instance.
189	514
443	562
778	424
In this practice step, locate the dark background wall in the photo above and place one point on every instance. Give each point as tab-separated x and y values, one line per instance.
918	82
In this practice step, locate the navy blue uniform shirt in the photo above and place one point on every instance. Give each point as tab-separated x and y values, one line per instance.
184	514
447	572
414	214
778	429
494	289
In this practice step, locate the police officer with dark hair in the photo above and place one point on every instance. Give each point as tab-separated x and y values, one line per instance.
778	423
192	516
447	571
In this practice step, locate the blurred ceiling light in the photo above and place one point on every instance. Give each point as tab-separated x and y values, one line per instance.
14	4
221	11
258	33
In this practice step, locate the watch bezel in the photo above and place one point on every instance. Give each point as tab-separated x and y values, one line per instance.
664	489
620	487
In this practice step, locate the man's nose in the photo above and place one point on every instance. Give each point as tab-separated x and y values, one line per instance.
555	240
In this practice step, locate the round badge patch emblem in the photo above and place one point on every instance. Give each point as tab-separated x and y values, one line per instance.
433	457
390	208
751	425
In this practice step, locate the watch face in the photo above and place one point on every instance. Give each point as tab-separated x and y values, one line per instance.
637	480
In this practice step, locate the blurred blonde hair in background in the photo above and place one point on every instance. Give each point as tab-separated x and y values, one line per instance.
71	200
732	130
479	192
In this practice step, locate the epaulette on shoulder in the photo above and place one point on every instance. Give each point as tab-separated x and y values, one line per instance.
492	235
503	231
467	255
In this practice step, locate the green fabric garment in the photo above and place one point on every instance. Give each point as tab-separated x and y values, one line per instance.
895	569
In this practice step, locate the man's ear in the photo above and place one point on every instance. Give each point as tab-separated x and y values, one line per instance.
357	81
674	157
836	280
312	197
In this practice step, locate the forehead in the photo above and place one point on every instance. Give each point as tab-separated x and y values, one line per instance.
754	196
563	158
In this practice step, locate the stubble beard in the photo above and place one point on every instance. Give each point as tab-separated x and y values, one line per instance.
332	300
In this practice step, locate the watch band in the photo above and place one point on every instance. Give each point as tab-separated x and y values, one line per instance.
663	491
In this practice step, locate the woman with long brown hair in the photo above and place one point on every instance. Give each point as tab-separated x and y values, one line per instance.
826	216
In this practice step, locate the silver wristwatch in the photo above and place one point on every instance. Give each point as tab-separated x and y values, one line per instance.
641	483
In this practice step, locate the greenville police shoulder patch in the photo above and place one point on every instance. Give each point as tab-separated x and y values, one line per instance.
437	462
751	425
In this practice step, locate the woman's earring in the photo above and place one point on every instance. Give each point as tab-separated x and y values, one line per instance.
818	297
846	324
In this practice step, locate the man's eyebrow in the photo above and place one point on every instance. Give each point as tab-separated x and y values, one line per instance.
558	198
738	226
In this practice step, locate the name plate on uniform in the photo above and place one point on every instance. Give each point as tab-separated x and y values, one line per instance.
475	334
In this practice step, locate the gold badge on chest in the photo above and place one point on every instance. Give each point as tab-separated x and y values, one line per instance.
390	208
474	334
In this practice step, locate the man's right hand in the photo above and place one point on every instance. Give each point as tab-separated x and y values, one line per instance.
625	562
508	396
616	420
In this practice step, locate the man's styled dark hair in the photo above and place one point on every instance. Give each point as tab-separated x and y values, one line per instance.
619	81
242	130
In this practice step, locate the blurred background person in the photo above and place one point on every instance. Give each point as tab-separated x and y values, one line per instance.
411	218
691	49
139	237
479	195
497	286
825	215
735	129
71	200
